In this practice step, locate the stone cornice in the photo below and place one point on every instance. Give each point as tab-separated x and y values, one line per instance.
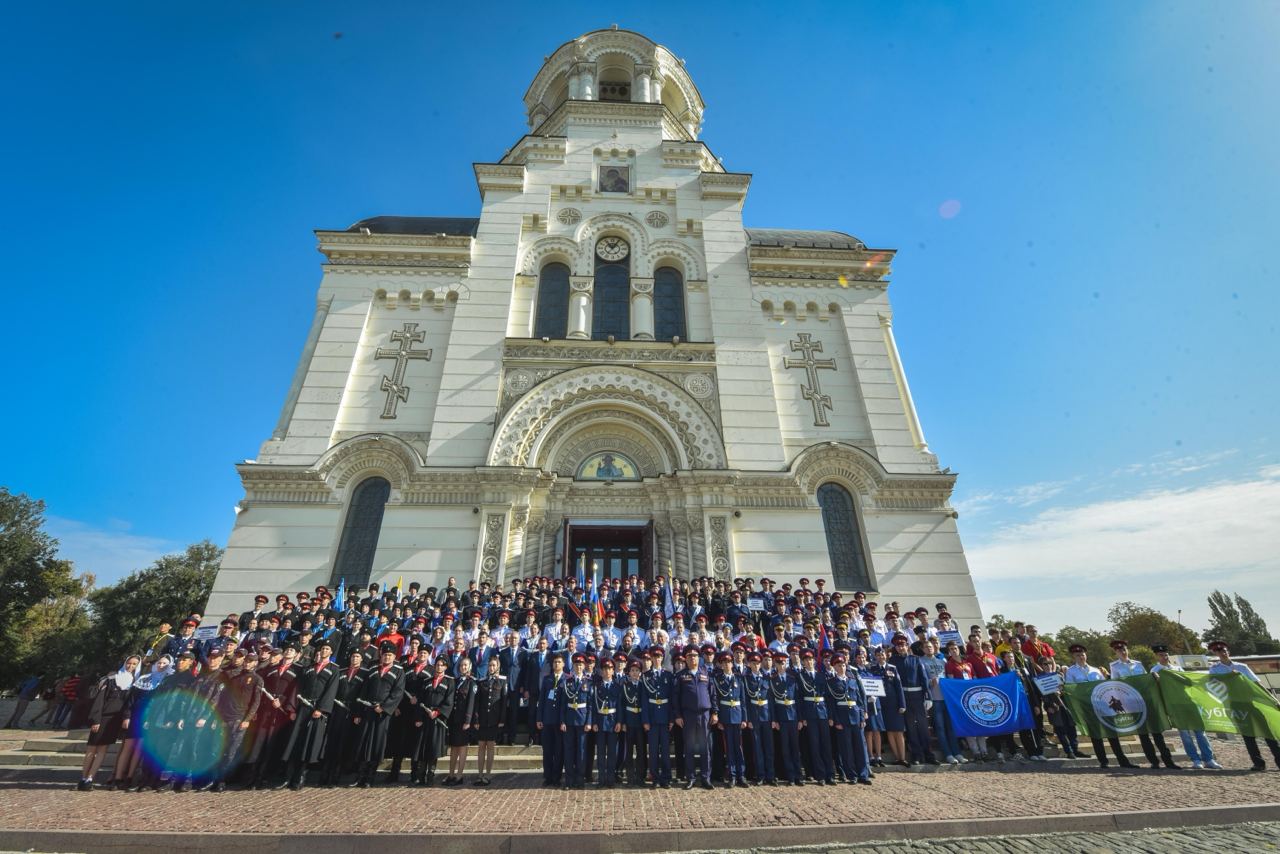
724	185
801	267
347	248
533	350
612	114
500	177
694	155
537	149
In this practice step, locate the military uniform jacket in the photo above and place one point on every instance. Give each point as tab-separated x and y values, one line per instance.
811	695
380	689
316	691
207	694
344	697
491	696
574	698
549	701
692	693
240	696
912	675
464	704
783	696
433	697
414	677
846	701
608	710
631	711
755	689
279	684
730	699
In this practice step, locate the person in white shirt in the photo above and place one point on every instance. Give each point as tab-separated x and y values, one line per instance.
1125	666
1194	742
551	631
1083	671
1223	665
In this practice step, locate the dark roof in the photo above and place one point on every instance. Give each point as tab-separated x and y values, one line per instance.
803	239
453	225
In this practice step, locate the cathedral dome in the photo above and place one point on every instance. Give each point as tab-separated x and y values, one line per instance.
614	65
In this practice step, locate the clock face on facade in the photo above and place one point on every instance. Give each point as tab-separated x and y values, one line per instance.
612	248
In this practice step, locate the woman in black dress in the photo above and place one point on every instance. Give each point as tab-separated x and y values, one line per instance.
435	703
491	708
130	756
461	718
108	717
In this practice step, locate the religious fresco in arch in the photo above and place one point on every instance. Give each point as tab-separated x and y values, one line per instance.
607	465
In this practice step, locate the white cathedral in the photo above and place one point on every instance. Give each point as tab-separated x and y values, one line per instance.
603	366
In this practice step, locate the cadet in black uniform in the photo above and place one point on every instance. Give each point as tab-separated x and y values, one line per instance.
435	703
380	695
491	718
316	689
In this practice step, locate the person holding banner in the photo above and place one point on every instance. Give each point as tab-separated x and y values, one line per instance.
1224	664
1194	742
1125	666
1082	671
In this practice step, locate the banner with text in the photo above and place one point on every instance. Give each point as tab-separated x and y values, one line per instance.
982	707
1223	702
1114	707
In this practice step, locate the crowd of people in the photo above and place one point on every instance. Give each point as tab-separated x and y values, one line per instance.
636	683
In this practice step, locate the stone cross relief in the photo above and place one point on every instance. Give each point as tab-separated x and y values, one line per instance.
394	385
813	391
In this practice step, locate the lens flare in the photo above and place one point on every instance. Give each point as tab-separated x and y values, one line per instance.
192	751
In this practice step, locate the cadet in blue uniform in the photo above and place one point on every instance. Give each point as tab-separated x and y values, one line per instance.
786	717
692	709
846	700
915	682
633	734
549	724
812	695
755	688
574	699
606	721
657	688
729	715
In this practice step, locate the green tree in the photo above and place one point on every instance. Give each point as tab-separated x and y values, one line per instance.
125	615
33	581
1143	626
1096	644
1236	622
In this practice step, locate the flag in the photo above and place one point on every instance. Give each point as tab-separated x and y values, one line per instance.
582	571
668	596
399	584
340	597
823	641
1218	702
1114	707
597	616
992	706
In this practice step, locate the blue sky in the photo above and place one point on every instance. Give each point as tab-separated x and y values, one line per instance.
1084	203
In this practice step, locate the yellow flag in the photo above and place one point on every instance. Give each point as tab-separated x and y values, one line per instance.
400	583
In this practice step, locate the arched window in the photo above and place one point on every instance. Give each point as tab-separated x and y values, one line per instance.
844	540
611	310
668	304
360	533
552	319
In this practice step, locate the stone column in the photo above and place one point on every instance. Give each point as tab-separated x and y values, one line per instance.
904	390
575	84
655	88
643	93
580	306
586	72
641	309
491	550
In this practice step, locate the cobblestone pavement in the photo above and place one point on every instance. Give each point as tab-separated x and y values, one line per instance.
515	803
1257	836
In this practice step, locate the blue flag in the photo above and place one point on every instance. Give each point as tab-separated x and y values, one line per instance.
340	597
981	707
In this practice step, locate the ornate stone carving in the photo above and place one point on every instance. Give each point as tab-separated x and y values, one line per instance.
657	219
394	385
812	392
621	351
720	563
519	381
700	386
575	438
641	286
492	550
581	284
569	216
523	427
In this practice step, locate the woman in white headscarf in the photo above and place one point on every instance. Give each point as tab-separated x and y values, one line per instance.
139	696
109	715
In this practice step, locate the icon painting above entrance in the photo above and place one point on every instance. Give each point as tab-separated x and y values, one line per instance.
607	466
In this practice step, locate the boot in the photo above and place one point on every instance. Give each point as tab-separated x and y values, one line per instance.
299	779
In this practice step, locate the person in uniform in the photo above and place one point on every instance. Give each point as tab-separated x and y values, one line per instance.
893	708
874	718
548	723
1194	742
1125	666
316	689
729	716
785	712
491	718
1224	664
633	761
380	696
692	709
238	703
607	724
200	754
340	733
511	661
461	722
435	703
271	725
847	701
574	700
1082	671
406	731
657	690
915	685
814	719
755	690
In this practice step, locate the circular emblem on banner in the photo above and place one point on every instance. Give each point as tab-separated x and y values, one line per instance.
987	706
1217	689
1119	706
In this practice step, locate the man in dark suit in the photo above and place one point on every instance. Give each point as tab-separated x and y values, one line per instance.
511	659
534	668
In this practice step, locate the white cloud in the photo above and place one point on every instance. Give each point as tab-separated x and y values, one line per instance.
1166	548
1166	464
110	552
1021	496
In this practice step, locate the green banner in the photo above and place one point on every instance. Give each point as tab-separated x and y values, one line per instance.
1222	702
1115	707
